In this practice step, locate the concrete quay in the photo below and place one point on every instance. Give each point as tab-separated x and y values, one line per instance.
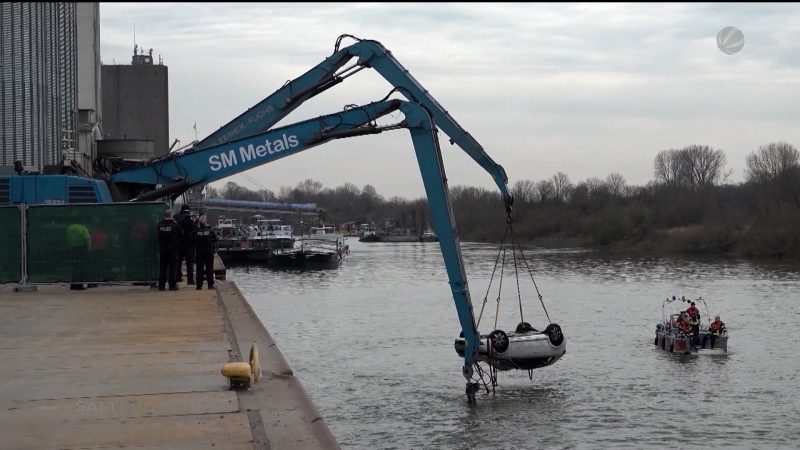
134	367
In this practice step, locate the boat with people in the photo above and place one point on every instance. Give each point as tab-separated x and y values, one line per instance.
683	331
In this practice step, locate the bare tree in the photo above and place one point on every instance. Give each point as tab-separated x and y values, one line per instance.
308	189
667	167
776	165
694	167
701	166
562	187
546	190
772	162
616	185
285	193
524	191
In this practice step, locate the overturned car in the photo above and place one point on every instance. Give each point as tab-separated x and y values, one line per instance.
524	349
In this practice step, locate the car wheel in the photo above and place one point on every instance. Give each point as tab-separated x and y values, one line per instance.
554	333
499	341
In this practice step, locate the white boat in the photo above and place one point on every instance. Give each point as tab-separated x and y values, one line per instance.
230	231
277	234
525	349
428	236
321	247
369	233
670	336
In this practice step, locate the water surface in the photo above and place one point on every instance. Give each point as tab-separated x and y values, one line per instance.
372	342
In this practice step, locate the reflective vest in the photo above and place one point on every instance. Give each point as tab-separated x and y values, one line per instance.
684	326
716	328
694	315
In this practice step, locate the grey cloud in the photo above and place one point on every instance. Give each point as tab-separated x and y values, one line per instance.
582	88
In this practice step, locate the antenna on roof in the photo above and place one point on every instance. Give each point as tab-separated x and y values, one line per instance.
135	47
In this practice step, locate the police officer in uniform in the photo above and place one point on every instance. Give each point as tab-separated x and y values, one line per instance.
204	239
186	252
169	241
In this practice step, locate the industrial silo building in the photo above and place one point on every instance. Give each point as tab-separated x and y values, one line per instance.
39	90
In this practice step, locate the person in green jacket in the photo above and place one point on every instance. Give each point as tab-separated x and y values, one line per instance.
79	242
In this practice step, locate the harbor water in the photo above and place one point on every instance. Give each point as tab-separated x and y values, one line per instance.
372	342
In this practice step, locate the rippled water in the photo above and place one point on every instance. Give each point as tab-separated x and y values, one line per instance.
372	342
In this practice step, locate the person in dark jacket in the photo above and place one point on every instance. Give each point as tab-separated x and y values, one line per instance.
186	252
169	241
204	240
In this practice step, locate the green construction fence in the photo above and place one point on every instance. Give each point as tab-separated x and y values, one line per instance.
95	243
10	244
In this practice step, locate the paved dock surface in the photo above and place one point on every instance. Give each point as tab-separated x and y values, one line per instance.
133	367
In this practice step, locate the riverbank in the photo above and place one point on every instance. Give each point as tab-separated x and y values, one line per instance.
680	241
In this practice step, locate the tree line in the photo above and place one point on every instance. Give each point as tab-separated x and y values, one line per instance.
689	207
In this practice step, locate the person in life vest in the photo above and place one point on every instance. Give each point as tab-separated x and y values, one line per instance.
683	323
715	328
79	242
694	321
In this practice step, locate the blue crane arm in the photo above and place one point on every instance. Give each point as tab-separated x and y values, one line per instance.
429	156
280	103
327	74
218	162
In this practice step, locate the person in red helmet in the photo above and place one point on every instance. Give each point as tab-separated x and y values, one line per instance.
716	328
694	321
683	323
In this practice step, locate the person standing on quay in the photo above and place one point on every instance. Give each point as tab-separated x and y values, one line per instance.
169	241
186	251
79	242
204	239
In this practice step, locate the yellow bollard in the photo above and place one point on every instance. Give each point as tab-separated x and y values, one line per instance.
241	373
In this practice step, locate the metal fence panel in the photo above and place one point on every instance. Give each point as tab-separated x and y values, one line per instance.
10	245
93	243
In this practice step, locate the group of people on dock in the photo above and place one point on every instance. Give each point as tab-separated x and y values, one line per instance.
185	239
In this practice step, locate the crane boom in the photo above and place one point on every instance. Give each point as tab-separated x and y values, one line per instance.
218	162
327	74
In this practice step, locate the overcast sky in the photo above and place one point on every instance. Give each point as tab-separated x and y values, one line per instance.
586	89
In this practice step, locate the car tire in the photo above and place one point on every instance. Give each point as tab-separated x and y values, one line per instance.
498	339
554	334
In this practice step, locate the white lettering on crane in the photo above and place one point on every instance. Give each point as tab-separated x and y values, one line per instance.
252	152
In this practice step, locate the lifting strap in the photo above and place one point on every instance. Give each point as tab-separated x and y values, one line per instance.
515	247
